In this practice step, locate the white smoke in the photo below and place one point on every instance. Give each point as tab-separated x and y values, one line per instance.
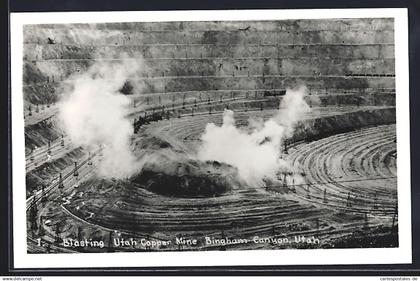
256	154
93	114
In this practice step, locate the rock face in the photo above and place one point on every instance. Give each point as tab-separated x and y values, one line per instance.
182	177
202	56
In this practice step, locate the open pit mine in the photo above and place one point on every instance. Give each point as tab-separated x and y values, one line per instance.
196	136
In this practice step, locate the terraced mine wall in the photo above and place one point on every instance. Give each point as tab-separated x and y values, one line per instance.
38	134
202	56
251	61
325	100
318	128
307	130
42	175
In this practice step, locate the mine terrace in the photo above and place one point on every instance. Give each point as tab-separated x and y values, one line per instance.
340	184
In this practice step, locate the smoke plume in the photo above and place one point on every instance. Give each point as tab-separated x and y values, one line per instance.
256	154
93	113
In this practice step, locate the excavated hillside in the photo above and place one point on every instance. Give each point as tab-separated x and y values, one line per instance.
195	67
190	73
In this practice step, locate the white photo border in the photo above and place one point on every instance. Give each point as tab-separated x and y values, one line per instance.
402	254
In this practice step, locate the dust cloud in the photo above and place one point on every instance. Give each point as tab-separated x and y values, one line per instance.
256	154
93	113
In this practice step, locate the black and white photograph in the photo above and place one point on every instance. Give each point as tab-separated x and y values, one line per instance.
230	136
